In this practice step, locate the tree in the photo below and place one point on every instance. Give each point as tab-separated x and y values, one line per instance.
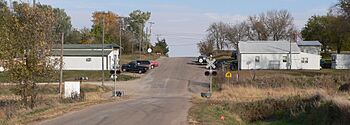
330	30
206	47
28	39
137	23
111	26
236	33
217	32
86	36
161	47
63	24
74	37
344	7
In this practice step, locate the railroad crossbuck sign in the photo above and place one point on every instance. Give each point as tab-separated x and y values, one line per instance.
228	75
211	63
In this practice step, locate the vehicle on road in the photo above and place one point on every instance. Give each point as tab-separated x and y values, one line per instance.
201	60
154	64
144	63
134	67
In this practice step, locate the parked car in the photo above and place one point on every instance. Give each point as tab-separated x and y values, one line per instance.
154	64
201	60
144	63
134	67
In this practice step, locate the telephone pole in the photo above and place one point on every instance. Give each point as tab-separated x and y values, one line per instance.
61	65
103	46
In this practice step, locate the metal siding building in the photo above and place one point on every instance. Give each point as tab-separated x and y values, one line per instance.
275	55
340	61
86	56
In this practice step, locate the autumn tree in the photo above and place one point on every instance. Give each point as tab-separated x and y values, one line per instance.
25	47
63	24
111	26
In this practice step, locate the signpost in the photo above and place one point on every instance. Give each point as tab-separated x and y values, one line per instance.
210	73
149	50
228	75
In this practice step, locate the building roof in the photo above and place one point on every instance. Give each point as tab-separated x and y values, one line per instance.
309	43
273	47
85	46
57	52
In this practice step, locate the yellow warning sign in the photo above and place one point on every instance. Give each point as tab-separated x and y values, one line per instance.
228	75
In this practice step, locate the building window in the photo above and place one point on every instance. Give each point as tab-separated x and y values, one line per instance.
257	59
284	59
304	60
88	59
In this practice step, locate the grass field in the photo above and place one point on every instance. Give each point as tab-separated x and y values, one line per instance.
275	97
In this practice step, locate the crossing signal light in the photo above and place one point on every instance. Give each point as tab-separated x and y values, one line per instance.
213	73
206	73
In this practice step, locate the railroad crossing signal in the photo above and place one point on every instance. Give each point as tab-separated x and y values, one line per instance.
228	75
211	63
210	72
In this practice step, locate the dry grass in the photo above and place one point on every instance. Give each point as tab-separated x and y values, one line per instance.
50	105
248	94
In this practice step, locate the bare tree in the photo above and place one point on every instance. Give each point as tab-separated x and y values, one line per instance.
279	24
206	47
217	32
236	33
257	28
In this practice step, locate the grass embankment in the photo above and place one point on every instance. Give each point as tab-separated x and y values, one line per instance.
127	58
277	97
48	105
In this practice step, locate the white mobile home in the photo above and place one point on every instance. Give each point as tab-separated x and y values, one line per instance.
275	55
87	56
340	61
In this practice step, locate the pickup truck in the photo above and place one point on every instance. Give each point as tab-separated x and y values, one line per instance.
134	67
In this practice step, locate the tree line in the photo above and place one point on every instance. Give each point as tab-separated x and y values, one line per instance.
332	30
272	25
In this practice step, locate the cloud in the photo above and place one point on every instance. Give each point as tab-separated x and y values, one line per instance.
226	17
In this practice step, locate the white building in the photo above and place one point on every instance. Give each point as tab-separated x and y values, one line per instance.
87	56
340	61
275	55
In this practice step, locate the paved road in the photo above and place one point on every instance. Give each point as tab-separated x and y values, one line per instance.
164	100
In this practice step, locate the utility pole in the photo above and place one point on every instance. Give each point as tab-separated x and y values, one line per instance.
150	31
141	38
121	25
61	66
103	46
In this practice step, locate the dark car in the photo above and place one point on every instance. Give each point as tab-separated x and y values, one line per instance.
133	67
144	63
201	60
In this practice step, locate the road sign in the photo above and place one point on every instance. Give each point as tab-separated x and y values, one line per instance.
211	63
149	50
228	75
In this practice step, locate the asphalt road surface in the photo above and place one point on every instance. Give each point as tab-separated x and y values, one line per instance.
163	99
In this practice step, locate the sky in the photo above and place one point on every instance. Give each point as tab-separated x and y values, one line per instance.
183	23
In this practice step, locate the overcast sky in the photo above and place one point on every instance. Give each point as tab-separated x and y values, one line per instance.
183	23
